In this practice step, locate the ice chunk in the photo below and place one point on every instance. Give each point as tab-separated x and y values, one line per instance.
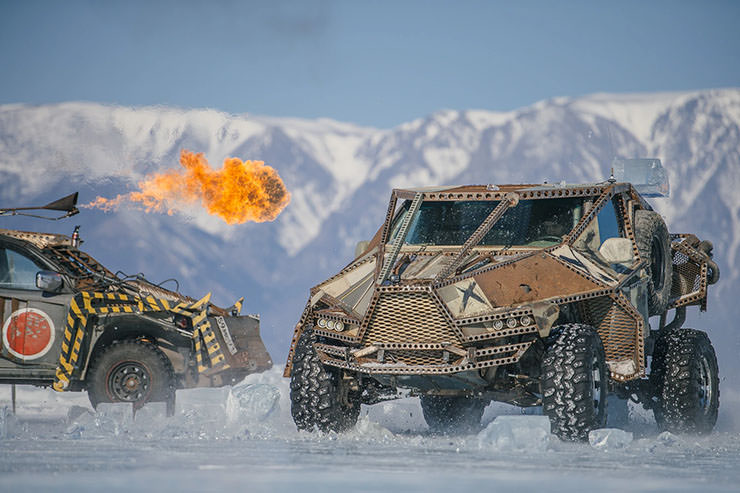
609	439
369	429
108	419
114	418
205	401
151	413
75	412
252	402
668	439
525	433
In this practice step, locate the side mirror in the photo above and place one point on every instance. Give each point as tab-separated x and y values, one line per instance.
617	251
49	281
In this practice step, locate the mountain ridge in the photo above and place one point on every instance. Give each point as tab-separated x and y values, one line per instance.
340	176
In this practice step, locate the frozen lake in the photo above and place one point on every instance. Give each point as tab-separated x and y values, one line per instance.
224	439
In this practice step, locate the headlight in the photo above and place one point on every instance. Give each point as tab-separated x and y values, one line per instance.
498	324
511	323
525	320
330	324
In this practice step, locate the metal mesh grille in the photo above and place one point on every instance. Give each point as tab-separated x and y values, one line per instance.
407	317
415	358
617	329
686	275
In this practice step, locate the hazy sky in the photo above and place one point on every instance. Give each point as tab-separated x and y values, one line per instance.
375	63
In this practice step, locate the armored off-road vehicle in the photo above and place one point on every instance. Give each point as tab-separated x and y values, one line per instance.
70	323
533	295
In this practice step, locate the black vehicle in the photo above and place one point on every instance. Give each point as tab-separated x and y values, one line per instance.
70	323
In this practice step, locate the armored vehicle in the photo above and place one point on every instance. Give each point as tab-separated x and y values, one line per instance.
72	324
533	295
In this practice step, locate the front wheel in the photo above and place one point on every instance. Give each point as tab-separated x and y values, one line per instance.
685	375
574	382
319	398
131	371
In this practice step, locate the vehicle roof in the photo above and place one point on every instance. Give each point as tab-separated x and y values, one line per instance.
40	240
87	272
525	191
505	187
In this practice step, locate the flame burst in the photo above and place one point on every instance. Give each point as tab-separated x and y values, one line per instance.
241	191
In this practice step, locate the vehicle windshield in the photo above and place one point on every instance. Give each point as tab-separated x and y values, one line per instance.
537	223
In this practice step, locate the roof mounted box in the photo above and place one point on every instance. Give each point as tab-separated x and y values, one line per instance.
648	176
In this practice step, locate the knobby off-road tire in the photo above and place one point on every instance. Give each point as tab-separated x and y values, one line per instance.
654	245
317	395
452	414
685	376
574	381
131	371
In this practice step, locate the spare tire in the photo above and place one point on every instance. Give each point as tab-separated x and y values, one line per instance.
654	245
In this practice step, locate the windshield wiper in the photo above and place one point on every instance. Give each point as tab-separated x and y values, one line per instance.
511	199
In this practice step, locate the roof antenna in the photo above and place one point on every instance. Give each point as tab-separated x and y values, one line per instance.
611	148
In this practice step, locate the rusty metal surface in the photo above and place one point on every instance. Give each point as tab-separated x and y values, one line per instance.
620	329
420	361
40	240
390	260
524	192
531	279
690	282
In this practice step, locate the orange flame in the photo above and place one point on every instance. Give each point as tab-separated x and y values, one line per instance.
237	193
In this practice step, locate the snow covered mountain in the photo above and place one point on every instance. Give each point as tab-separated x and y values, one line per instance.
340	176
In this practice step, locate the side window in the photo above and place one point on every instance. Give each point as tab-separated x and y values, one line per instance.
608	226
17	271
603	227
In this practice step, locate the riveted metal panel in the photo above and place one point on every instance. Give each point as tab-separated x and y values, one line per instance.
407	316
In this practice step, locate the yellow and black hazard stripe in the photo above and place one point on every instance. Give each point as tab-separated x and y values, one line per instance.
207	350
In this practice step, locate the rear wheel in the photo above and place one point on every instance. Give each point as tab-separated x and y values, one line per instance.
319	397
685	375
131	371
452	414
574	381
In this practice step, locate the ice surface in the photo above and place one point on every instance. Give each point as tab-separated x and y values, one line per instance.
609	439
523	433
58	442
4	419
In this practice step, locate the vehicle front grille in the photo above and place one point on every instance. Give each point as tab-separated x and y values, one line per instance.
410	317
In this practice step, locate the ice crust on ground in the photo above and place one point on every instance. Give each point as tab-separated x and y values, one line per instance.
244	438
519	433
609	439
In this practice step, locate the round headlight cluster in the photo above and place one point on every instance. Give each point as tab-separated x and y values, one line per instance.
330	324
524	321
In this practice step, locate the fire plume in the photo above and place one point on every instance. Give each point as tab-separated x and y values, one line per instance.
241	191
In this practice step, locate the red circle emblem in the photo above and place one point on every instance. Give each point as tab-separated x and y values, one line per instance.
28	333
